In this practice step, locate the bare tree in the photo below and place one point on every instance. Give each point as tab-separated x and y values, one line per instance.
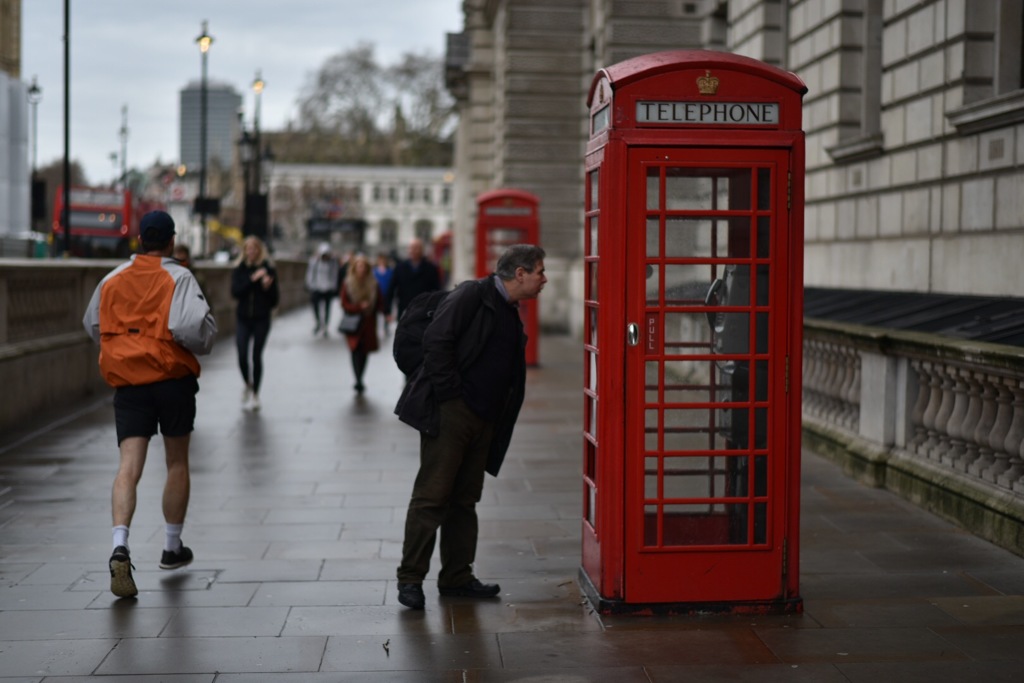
354	110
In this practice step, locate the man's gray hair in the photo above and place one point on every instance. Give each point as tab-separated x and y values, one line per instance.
524	256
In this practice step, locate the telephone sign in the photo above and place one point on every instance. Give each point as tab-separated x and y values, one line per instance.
693	254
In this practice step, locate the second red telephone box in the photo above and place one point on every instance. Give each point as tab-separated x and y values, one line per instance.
693	252
505	217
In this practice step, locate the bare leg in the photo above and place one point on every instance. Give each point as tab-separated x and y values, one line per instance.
133	458
176	490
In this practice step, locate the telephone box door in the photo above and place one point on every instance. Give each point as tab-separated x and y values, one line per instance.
706	375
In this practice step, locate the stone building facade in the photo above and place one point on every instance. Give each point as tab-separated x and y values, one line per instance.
914	120
387	205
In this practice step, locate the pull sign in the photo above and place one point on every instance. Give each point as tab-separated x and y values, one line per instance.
652	337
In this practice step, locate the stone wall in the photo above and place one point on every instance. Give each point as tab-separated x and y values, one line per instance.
938	421
48	362
913	156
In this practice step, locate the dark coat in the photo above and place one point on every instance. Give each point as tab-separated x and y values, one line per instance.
407	281
462	325
253	300
365	338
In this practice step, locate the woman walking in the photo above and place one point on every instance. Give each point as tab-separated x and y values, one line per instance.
360	295
254	285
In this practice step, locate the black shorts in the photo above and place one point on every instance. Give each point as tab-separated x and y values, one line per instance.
171	404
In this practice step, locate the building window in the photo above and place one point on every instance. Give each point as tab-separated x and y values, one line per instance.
424	229
378	193
393	195
411	194
1009	33
446	196
388	233
994	69
428	197
865	140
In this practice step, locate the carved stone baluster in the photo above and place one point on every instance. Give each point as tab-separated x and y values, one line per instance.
954	456
942	417
976	403
934	390
820	370
828	382
1013	444
992	440
843	378
917	414
989	408
852	394
1018	485
1004	422
812	372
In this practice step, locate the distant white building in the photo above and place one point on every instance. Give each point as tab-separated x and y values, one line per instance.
377	208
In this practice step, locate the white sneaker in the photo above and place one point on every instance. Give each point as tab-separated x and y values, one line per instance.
246	398
255	402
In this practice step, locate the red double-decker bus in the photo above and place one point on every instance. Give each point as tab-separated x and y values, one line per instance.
104	222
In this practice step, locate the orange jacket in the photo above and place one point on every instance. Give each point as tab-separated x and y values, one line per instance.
151	319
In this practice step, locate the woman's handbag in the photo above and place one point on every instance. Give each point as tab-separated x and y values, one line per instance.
349	323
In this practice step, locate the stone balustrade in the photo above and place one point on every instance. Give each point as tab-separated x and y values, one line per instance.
938	420
47	361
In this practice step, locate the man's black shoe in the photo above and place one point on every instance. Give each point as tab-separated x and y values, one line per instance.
121	582
172	559
411	595
472	589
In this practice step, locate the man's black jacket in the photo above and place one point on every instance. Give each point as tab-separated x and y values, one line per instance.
452	342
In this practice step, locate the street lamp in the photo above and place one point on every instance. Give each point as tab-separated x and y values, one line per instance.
38	197
123	132
35	95
257	87
255	164
204	40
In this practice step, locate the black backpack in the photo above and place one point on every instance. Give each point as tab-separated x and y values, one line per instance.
408	344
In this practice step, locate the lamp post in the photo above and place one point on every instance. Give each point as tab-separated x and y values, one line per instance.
204	40
257	89
66	188
246	154
37	197
35	95
123	133
253	157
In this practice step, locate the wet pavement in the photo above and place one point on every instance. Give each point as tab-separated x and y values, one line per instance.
296	521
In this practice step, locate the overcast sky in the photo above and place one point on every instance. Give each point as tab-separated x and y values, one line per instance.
141	54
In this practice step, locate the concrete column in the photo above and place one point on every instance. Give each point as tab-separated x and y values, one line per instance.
878	404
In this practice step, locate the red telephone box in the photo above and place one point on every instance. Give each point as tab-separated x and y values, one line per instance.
693	319
503	218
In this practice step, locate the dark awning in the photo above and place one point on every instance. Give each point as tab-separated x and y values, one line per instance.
999	320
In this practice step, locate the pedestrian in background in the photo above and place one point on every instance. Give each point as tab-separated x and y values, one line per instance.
360	295
254	286
464	399
151	320
322	284
183	255
383	271
413	276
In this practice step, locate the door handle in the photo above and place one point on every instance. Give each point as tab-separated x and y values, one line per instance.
632	334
